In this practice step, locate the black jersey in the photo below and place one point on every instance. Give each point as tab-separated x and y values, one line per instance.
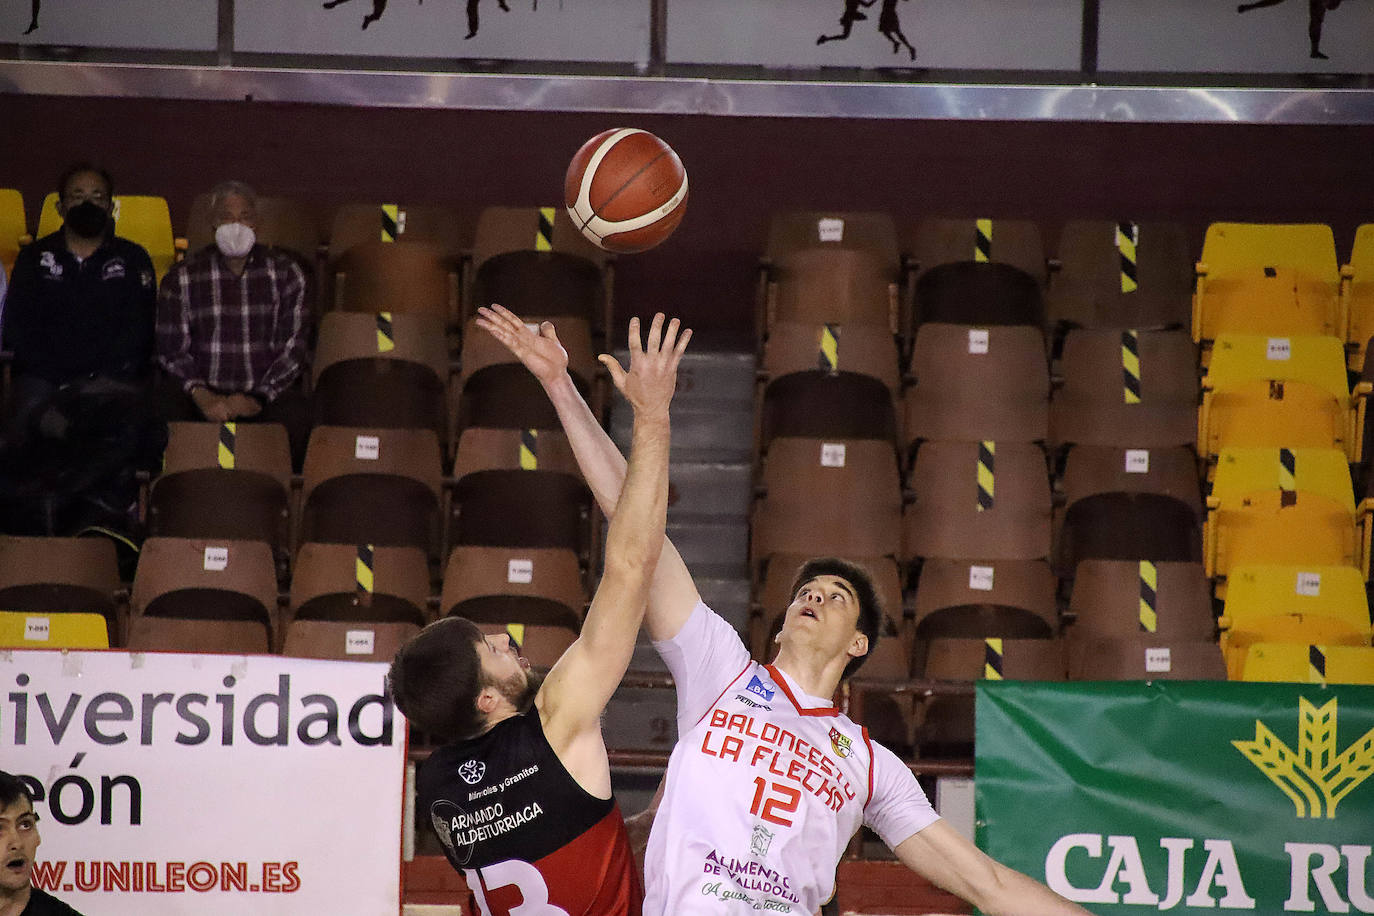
519	827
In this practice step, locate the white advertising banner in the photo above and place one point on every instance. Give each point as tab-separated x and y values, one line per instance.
176	784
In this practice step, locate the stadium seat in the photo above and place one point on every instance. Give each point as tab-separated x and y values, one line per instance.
534	586
520	508
60	575
31	630
1122	275
832	348
1128	388
546	283
373	641
971	292
828	497
541	645
1127	526
372	486
970	507
1308	664
397	277
1280	506
357	584
495	390
816	404
844	286
1323	605
1270	391
945	725
1017	243
1093	469
1271	279
142	219
502	229
204	582
1128	598
790	230
972	599
218	637
1144	658
282	222
388	370
485	449
1358	276
978	383
359	223
223	480
14	227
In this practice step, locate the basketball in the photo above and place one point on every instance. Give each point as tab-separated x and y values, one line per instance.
626	190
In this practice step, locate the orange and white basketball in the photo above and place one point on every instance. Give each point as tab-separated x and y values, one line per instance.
626	190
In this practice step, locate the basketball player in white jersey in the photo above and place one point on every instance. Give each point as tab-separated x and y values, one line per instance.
768	781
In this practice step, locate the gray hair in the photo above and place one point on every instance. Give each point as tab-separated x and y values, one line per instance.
227	188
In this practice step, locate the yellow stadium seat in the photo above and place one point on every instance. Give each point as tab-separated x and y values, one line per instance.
1294	662
14	227
29	630
142	219
1358	275
1279	391
1242	471
1307	605
1268	279
1274	526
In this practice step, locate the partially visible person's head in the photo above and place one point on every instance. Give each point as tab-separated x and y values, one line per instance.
234	218
85	199
838	599
450	678
18	834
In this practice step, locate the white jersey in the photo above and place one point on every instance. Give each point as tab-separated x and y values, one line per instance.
765	787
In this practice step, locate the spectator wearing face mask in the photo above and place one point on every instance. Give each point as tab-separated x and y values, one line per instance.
232	327
80	305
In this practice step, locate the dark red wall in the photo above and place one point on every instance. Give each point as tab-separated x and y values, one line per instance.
741	169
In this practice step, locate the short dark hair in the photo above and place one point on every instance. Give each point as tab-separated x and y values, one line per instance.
870	621
12	789
78	168
436	677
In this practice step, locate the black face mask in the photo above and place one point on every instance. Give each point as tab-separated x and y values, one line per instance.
88	219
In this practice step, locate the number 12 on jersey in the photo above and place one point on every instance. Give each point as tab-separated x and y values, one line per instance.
782	800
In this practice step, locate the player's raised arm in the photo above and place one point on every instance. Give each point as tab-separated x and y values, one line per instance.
578	688
672	594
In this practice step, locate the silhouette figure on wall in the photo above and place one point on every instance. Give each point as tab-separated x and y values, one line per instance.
474	21
1316	14
850	16
33	19
889	24
378	7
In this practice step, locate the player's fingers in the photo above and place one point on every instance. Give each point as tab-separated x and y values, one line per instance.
548	331
505	314
613	367
670	336
635	347
655	333
681	346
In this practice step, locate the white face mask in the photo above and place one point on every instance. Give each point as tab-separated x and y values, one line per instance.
235	240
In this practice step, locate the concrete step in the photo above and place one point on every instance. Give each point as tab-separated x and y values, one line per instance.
709	490
702	430
711	375
727	597
713	549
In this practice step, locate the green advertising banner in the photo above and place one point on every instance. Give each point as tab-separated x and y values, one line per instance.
1181	797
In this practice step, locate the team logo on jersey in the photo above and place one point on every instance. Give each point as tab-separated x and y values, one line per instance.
443	816
840	743
472	772
759	687
113	270
760	841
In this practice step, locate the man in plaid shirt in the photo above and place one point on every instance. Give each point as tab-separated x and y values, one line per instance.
232	327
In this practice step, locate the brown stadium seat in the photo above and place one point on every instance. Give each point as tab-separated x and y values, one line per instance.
502	229
388	370
976	383
363	583
945	723
1127	526
372	486
1129	598
174	634
357	224
397	277
1144	658
60	575
484	449
828	498
1131	389
547	283
229	480
810	405
832	348
1122	275
372	641
953	516
791	230
970	599
840	285
938	240
969	292
535	586
519	508
205	581
492	381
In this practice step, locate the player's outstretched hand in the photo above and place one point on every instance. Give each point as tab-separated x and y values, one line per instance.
652	378
540	352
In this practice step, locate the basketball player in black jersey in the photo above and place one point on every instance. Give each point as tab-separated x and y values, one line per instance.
521	797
